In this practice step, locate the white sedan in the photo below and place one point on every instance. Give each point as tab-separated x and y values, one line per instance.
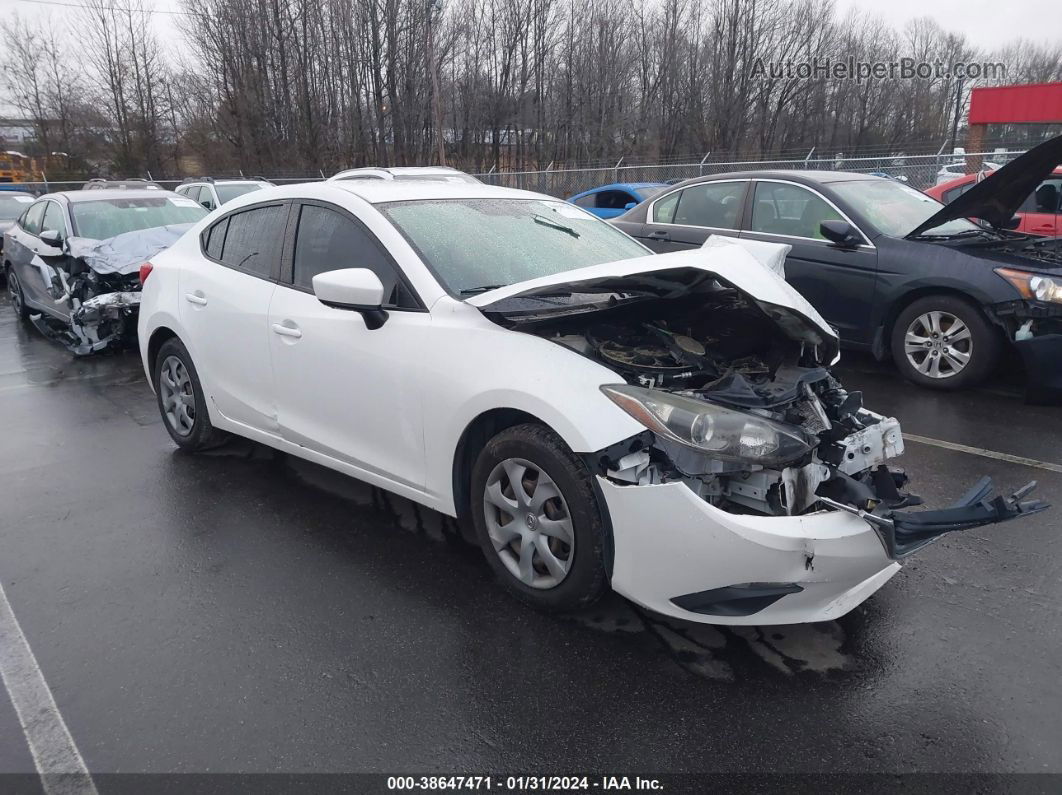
664	425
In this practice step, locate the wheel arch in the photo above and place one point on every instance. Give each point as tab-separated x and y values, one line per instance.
158	338
884	348
474	438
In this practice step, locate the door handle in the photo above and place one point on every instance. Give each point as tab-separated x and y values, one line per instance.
196	298
659	235
287	331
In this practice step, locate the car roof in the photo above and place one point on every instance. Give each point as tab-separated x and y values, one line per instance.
379	191
101	194
807	176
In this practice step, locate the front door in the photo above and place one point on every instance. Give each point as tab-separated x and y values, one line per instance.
344	390
838	282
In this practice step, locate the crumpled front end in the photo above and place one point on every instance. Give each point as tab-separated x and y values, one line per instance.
95	284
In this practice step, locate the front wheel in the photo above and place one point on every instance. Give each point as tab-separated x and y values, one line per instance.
943	342
14	292
538	519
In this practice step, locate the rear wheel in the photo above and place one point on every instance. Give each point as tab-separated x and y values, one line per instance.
14	292
181	401
943	342
538	519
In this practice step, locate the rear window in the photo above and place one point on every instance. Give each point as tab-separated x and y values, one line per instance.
13	205
104	218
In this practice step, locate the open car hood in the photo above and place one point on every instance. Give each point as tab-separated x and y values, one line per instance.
666	276
997	198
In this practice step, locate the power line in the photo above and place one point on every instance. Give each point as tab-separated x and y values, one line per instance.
109	8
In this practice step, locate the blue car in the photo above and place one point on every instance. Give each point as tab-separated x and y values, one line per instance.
610	201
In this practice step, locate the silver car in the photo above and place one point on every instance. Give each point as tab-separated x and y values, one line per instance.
72	260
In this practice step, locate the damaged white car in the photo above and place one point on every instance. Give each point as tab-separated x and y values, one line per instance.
664	425
72	261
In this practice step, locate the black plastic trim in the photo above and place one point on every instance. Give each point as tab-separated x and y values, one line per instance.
745	599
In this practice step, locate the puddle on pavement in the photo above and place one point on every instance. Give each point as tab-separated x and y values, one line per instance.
719	653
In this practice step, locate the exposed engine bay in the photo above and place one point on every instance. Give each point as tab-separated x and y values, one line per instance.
716	368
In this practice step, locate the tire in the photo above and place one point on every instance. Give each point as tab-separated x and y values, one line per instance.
15	294
177	385
927	353
569	525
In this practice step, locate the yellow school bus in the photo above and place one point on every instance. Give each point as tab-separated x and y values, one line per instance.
15	167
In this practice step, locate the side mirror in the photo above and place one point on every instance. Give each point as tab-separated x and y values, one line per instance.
840	233
51	237
1013	223
630	205
209	205
356	289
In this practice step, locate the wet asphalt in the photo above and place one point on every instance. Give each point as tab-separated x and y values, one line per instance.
243	611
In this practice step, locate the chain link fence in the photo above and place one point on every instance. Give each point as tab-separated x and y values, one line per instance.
918	171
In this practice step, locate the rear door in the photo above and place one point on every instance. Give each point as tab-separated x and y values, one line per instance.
685	218
839	282
224	299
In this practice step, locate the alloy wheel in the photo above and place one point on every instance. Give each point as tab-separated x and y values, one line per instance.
13	291
529	523
938	344
178	397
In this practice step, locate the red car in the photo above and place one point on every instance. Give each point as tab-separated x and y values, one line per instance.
1039	212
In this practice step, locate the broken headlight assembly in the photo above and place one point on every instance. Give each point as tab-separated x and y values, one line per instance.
722	433
1033	285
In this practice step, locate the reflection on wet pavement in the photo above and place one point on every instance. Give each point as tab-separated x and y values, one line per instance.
713	652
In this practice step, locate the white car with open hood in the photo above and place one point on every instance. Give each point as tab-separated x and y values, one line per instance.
664	425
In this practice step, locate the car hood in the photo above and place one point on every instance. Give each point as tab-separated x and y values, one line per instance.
124	253
997	198
666	276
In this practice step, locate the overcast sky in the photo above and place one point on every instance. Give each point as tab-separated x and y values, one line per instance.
986	25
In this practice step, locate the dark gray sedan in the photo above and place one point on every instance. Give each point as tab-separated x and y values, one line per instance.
892	269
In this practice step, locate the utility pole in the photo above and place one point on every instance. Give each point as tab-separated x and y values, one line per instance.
433	68
958	108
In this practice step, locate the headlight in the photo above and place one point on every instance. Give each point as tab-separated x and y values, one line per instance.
716	431
1032	285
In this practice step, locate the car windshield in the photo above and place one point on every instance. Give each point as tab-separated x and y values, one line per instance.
896	209
227	193
12	206
476	244
104	218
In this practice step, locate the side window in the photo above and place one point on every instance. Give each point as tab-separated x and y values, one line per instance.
1045	199
254	240
54	220
664	209
206	198
215	239
586	201
327	240
613	199
951	195
715	204
181	189
781	209
31	221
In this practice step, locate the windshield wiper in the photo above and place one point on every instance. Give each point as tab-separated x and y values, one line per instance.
543	221
483	288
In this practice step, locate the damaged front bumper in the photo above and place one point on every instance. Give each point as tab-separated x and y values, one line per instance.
850	524
1035	328
100	322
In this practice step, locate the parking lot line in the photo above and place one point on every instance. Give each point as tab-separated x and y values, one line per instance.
58	762
962	448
